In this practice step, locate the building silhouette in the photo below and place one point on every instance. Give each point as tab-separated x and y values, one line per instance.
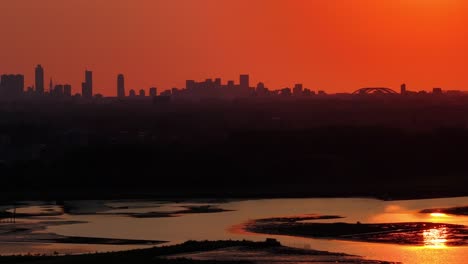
120	86
51	86
58	90
437	91
153	91
213	88
261	90
87	86
308	92
67	90
29	90
166	93
403	89
298	89
11	85
244	82
39	79
286	91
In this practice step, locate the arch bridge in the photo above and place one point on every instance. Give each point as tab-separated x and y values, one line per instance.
375	90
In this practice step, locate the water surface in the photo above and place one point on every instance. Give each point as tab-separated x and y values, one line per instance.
113	219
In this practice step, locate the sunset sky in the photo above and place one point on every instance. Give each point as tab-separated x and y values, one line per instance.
332	45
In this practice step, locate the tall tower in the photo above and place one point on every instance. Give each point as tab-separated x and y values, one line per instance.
244	81
39	79
153	91
67	90
403	89
89	81
120	86
87	86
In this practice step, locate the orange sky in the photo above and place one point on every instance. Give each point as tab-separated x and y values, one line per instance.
334	45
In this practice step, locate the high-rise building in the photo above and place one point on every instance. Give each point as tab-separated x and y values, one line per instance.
190	85
297	90
67	90
120	86
403	89
132	93
39	79
89	79
261	89
153	91
217	82
244	82
87	86
12	85
58	90
142	93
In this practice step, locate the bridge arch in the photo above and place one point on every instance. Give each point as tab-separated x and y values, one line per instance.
375	90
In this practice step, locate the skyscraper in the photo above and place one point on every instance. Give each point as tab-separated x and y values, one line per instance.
87	86
39	79
403	89
89	81
153	91
120	86
244	82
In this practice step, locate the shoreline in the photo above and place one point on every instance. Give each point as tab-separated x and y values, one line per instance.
200	252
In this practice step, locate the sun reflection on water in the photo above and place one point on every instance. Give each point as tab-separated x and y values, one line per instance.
435	238
439	215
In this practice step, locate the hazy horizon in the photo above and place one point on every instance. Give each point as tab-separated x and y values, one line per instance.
331	45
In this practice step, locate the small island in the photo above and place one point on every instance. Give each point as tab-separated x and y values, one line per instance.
411	233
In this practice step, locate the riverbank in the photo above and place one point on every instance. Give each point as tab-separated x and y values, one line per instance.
401	233
204	252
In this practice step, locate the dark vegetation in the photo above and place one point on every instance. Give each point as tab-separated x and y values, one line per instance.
153	255
387	147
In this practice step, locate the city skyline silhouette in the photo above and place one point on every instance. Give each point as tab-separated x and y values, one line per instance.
328	45
13	85
233	131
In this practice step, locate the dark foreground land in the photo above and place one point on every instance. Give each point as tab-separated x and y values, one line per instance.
387	147
463	211
412	233
218	252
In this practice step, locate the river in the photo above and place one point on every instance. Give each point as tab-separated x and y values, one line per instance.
116	219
